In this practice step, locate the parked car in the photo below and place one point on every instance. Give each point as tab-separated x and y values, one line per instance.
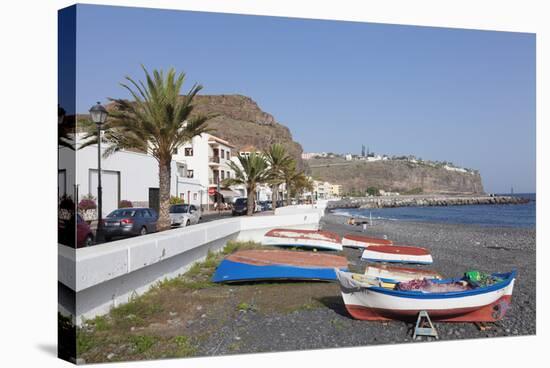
84	234
184	214
129	221
240	207
264	205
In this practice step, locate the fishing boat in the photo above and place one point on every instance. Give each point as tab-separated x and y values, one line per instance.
397	254
368	300
391	275
274	264
360	241
312	239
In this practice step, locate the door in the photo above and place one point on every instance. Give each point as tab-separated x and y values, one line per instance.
110	183
154	199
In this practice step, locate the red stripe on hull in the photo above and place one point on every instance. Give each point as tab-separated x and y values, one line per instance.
399	249
489	313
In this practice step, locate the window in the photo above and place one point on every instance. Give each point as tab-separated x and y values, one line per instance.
194	196
190	174
228	174
181	170
223	153
147	214
223	174
228	155
189	151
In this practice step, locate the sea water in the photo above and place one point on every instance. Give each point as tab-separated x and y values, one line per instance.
495	215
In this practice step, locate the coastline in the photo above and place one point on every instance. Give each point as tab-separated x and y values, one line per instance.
423	200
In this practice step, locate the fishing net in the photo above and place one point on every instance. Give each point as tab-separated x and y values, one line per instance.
428	286
481	279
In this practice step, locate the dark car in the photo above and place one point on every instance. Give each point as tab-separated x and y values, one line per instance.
265	205
84	234
129	221
240	207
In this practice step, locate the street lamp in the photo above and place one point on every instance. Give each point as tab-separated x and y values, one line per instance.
98	114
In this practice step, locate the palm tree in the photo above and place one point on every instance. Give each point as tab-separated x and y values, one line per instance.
278	161
253	170
300	184
158	120
294	180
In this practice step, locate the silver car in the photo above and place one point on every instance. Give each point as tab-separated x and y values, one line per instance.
184	214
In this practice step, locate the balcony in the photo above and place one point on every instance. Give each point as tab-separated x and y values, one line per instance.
214	159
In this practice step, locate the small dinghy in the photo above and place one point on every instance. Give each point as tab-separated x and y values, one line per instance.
360	241
451	300
397	254
390	275
312	239
273	264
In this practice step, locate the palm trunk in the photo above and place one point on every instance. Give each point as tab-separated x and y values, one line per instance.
251	195
287	188
274	189
163	222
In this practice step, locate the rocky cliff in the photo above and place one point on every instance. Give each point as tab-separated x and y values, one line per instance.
241	122
395	176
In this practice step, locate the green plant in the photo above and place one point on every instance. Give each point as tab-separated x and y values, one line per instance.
184	347
373	191
244	307
142	343
176	200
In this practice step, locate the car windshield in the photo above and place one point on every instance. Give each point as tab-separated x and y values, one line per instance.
122	213
240	201
180	208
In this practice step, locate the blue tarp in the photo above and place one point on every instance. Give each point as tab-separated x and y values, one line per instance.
235	271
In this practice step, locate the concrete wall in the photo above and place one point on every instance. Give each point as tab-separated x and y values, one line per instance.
95	279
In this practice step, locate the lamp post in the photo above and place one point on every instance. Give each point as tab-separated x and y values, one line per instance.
98	114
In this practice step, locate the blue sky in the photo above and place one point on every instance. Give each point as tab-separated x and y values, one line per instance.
463	96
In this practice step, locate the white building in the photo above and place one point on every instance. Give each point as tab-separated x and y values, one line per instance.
125	175
205	159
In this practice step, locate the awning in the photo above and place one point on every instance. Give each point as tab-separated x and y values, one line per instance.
228	193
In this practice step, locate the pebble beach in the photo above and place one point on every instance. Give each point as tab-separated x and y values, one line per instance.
455	249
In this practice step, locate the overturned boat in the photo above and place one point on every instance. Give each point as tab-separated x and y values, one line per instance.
311	239
397	254
450	300
360	241
274	264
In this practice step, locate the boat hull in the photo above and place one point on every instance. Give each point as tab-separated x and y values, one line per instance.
372	303
229	271
257	265
397	254
358	241
310	239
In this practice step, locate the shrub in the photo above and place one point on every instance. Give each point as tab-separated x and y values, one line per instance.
176	200
87	203
373	191
125	204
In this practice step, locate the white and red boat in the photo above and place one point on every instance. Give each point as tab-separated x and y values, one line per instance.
397	254
365	300
393	275
313	239
360	241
